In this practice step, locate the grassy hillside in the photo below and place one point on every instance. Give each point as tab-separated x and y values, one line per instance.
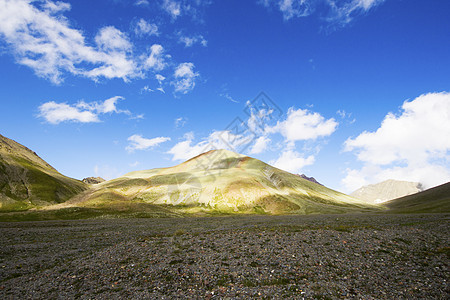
435	200
220	182
27	181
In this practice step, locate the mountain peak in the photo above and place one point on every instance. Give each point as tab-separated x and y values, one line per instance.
213	156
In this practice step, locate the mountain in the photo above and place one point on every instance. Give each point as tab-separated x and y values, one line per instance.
27	181
386	190
219	181
93	180
434	200
312	179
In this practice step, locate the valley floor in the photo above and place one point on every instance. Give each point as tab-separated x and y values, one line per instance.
322	256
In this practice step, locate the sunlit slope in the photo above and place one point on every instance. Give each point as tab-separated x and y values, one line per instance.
28	181
223	181
434	200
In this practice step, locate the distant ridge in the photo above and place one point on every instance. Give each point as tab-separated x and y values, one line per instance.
312	179
93	180
386	190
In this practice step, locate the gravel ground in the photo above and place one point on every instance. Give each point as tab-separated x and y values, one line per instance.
322	257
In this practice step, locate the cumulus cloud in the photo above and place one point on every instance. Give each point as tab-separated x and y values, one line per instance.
184	78
221	139
342	11
41	38
411	145
143	28
260	145
156	59
186	149
138	142
301	125
292	161
81	112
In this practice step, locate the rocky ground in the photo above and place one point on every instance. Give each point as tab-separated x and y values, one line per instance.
322	257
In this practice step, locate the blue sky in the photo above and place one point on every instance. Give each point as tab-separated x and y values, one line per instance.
355	91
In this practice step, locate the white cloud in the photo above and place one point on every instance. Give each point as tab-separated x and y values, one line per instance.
137	142
292	161
190	41
135	164
160	79
227	96
180	122
222	139
341	11
146	89
184	78
155	60
344	11
172	7
302	125
185	150
81	112
56	113
413	145
42	39
142	28
110	39
260	145
142	3
294	8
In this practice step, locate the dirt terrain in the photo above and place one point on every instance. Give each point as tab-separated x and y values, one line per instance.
358	256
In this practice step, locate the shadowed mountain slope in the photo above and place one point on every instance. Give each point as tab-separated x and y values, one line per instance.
220	181
28	181
434	200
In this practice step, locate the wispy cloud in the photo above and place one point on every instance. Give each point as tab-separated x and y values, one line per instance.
81	112
141	3
138	142
190	41
180	122
227	96
412	145
143	28
178	8
184	78
172	7
339	11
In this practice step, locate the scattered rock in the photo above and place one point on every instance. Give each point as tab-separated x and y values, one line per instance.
93	180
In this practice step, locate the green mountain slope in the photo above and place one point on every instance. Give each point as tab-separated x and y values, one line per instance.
220	181
435	200
27	181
